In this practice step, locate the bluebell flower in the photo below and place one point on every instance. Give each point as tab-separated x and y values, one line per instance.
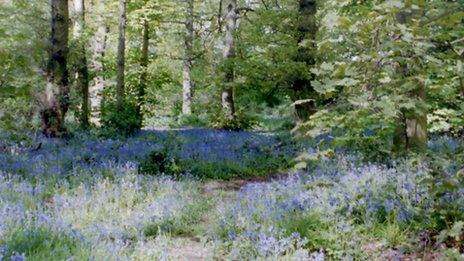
318	256
408	185
250	234
18	257
232	235
403	215
368	133
388	206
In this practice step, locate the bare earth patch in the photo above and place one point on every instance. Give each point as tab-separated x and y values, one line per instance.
190	249
236	184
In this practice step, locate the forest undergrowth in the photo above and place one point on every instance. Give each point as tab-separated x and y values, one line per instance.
87	198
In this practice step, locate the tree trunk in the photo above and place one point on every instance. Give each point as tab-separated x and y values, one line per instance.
57	90
144	65
301	88
187	62
121	54
411	130
229	56
98	53
82	70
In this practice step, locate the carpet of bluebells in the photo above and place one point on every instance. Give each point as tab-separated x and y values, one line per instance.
86	199
63	157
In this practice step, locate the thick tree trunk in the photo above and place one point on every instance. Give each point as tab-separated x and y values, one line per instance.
411	130
121	55
144	65
98	53
229	56
187	62
416	128
57	92
301	85
81	63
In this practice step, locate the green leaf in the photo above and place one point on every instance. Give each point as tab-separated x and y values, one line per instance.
301	165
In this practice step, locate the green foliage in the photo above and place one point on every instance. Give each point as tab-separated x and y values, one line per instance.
440	184
193	120
445	120
157	162
184	224
228	170
17	115
160	162
278	118
240	122
40	243
122	121
454	235
360	130
374	59
23	49
169	161
313	227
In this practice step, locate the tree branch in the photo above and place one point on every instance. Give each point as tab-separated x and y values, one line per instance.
244	9
173	22
442	15
458	40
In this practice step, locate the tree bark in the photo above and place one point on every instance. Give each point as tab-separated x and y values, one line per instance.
187	61
227	96
121	55
98	44
57	89
144	65
411	129
301	88
81	63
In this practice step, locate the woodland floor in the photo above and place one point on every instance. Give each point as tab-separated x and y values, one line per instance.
96	187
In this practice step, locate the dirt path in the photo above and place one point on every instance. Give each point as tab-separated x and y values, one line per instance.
190	249
236	184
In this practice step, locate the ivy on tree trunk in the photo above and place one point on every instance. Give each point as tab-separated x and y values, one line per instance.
301	89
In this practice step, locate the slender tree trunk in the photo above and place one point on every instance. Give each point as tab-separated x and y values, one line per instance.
460	72
57	90
121	54
98	53
461	81
229	56
187	62
144	65
82	70
301	85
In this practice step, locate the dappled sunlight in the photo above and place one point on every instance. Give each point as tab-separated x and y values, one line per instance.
231	130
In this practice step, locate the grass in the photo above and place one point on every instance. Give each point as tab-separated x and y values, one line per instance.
227	170
40	243
224	159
